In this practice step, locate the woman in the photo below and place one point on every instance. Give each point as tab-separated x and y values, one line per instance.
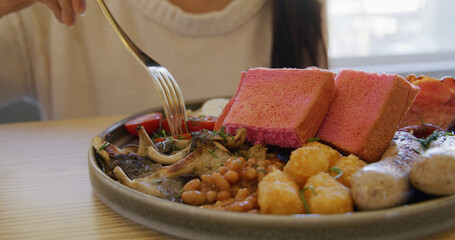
85	71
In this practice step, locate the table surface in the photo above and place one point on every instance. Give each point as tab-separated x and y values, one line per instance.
45	191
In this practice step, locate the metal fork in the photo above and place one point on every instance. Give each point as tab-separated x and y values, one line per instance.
170	94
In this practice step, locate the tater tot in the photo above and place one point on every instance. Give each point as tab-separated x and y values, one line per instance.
324	195
348	166
332	154
306	162
278	194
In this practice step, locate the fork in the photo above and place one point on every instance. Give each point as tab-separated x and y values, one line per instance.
170	94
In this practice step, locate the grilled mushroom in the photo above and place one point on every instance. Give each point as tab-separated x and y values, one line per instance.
153	184
168	159
207	157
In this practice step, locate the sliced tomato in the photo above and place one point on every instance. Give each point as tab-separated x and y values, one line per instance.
200	123
165	125
194	123
150	121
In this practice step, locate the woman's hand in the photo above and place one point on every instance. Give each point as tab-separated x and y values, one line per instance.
64	10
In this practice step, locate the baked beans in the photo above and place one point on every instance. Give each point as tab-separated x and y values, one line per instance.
233	187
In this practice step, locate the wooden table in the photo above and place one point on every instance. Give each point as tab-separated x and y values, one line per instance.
45	191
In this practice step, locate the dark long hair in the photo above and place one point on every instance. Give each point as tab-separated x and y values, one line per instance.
298	34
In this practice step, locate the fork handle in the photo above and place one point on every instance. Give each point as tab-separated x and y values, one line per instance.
135	50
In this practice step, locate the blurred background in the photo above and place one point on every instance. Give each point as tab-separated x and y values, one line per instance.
391	36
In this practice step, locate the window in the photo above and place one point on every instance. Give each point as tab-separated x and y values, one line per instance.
392	32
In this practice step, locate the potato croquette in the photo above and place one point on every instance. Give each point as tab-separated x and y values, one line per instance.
325	195
348	166
278	194
306	162
332	154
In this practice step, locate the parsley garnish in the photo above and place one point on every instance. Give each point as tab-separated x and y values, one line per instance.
164	133
414	150
222	133
434	136
313	139
104	145
305	204
336	170
261	170
180	193
213	152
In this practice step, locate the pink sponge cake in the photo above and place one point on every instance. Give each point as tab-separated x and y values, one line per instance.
282	107
365	112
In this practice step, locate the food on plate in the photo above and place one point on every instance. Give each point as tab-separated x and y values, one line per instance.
205	156
307	161
233	187
433	171
343	169
195	123
322	194
279	194
281	107
147	148
422	130
151	122
166	188
332	154
386	183
435	103
365	112
211	107
265	154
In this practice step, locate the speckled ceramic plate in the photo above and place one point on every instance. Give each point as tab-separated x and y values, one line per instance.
406	222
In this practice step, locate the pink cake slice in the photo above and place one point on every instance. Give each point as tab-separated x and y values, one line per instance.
282	107
365	112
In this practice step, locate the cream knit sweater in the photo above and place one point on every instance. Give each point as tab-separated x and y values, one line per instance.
85	71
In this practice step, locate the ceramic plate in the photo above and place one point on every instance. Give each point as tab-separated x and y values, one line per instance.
406	222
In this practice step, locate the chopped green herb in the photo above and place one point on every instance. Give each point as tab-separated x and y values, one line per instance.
305	204
180	193
261	170
164	133
434	136
222	134
336	170
281	166
138	127
313	139
213	152
416	151
104	145
312	190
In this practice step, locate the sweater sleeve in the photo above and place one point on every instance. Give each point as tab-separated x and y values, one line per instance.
15	74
